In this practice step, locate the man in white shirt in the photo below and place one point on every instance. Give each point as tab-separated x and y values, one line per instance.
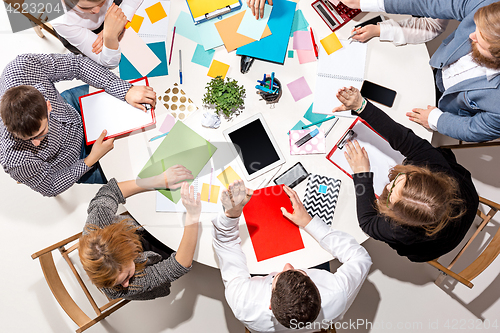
467	66
305	300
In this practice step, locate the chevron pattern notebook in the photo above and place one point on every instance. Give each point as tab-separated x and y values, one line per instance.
321	197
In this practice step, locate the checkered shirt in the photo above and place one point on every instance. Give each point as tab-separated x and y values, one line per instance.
55	165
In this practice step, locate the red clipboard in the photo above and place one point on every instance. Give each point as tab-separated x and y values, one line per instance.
119	110
382	156
271	233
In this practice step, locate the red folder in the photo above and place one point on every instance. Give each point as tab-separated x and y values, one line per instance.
271	233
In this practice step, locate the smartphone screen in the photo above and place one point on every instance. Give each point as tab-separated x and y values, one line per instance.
374	20
377	93
292	176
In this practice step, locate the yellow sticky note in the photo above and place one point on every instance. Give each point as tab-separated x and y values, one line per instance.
135	23
214	193
228	176
218	68
331	43
156	12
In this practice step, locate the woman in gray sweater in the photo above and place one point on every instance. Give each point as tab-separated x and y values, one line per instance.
122	258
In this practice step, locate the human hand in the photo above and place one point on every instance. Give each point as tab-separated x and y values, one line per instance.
257	7
99	149
364	34
97	45
354	4
193	206
299	216
357	157
114	23
173	177
421	116
235	198
350	98
138	95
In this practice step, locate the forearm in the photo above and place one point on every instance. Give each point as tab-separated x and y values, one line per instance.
131	187
483	126
450	9
188	243
414	30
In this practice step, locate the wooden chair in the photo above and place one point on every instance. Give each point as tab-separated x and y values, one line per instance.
39	22
482	261
61	294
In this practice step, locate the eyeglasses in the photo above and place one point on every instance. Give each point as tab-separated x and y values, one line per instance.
40	137
392	187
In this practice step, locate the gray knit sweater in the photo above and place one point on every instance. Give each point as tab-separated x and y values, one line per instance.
155	280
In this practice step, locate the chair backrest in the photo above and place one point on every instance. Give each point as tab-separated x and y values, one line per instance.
60	292
483	260
38	21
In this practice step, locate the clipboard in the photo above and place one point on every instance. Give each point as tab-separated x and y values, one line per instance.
101	111
203	10
382	156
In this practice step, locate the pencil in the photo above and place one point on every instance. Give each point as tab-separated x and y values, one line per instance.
171	47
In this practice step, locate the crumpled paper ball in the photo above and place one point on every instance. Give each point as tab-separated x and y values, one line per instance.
210	120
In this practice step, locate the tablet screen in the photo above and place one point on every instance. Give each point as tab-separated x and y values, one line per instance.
255	148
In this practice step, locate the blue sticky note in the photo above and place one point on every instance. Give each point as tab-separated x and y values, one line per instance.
185	26
314	117
299	22
322	189
273	48
298	126
209	35
202	57
128	71
251	27
290	53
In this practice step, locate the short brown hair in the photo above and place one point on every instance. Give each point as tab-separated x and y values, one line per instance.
295	299
22	109
429	200
487	19
104	252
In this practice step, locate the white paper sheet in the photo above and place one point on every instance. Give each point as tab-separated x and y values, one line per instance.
102	111
157	32
138	53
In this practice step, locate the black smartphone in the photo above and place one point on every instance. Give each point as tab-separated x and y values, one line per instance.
373	20
377	93
292	176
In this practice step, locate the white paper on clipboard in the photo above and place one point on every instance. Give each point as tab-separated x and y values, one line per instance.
382	156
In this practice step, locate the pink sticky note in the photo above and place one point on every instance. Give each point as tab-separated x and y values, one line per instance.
299	89
306	56
314	146
302	40
168	123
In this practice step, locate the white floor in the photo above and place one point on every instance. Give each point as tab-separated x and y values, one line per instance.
397	296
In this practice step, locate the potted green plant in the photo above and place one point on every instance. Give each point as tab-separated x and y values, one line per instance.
226	96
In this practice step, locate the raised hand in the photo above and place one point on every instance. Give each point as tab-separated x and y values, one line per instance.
299	216
350	98
235	198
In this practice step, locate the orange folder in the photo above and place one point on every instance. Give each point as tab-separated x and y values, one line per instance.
228	32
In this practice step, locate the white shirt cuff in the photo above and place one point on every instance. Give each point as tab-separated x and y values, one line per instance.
433	118
110	58
386	31
372	5
317	228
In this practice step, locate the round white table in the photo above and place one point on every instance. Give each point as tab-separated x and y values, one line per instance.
404	69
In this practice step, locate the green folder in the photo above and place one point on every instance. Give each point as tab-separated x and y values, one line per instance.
181	146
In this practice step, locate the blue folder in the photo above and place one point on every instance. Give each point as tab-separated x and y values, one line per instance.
128	71
273	48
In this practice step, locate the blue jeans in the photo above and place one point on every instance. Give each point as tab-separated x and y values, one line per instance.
95	175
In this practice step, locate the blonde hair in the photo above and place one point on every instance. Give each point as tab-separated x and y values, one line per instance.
428	200
487	20
104	252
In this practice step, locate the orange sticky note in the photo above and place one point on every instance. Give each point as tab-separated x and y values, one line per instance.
214	193
228	176
331	43
135	23
218	68
156	12
228	28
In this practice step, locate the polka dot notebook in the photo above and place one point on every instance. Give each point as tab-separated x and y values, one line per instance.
314	146
176	101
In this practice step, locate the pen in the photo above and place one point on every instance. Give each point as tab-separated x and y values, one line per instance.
180	65
307	137
315	46
334	122
158	137
318	122
171	47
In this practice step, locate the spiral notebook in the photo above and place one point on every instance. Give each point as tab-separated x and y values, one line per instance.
342	68
321	197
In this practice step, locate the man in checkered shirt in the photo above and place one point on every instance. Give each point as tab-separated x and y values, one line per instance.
41	134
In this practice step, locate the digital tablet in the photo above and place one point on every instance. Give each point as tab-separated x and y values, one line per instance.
254	146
